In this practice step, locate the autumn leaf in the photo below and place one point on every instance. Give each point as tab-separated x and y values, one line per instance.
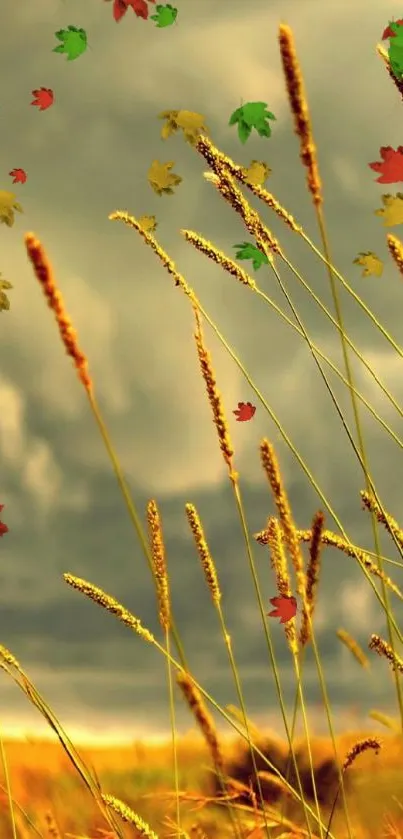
252	115
139	7
389	32
43	98
19	175
148	223
8	205
4	306
257	173
3	527
245	411
285	608
391	165
392	211
373	266
161	179
191	123
249	251
73	42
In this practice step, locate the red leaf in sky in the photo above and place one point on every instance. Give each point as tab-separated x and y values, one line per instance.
43	98
3	527
19	176
388	32
139	7
286	608
244	412
391	165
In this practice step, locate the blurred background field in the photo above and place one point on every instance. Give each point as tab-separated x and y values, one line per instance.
46	787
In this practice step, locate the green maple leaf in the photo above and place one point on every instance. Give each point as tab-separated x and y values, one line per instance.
249	251
252	115
166	15
4	301
73	42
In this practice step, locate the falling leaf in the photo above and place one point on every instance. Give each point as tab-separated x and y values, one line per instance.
245	411
161	179
191	123
391	166
373	266
249	251
73	42
389	32
392	211
257	173
43	98
285	608
252	115
3	527
8	205
166	15
148	223
4	306
19	175
139	7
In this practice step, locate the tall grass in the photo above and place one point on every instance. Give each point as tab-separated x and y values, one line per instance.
281	535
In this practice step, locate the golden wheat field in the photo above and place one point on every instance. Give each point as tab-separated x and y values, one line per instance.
250	782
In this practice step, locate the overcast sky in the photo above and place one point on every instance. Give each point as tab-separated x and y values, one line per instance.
85	157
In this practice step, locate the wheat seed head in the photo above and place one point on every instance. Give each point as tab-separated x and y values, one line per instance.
359	747
9	658
214	396
272	469
128	815
312	577
210	571
371	504
396	250
204	719
384	649
206	247
123	215
299	107
279	564
110	604
44	275
354	647
159	562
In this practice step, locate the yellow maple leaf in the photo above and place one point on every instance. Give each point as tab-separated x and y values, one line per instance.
257	173
392	210
8	205
148	223
161	179
191	123
373	266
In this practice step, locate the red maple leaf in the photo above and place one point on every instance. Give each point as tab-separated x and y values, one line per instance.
139	7
3	527
391	165
43	98
19	176
244	412
286	608
388	32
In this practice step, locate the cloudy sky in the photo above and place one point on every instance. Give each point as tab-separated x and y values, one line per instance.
87	156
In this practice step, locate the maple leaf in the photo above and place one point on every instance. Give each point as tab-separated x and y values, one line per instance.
166	15
257	173
8	205
371	263
148	223
73	42
44	98
139	7
4	306
19	175
252	115
391	165
390	32
161	179
191	123
249	251
3	527
285	608
392	211
244	412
